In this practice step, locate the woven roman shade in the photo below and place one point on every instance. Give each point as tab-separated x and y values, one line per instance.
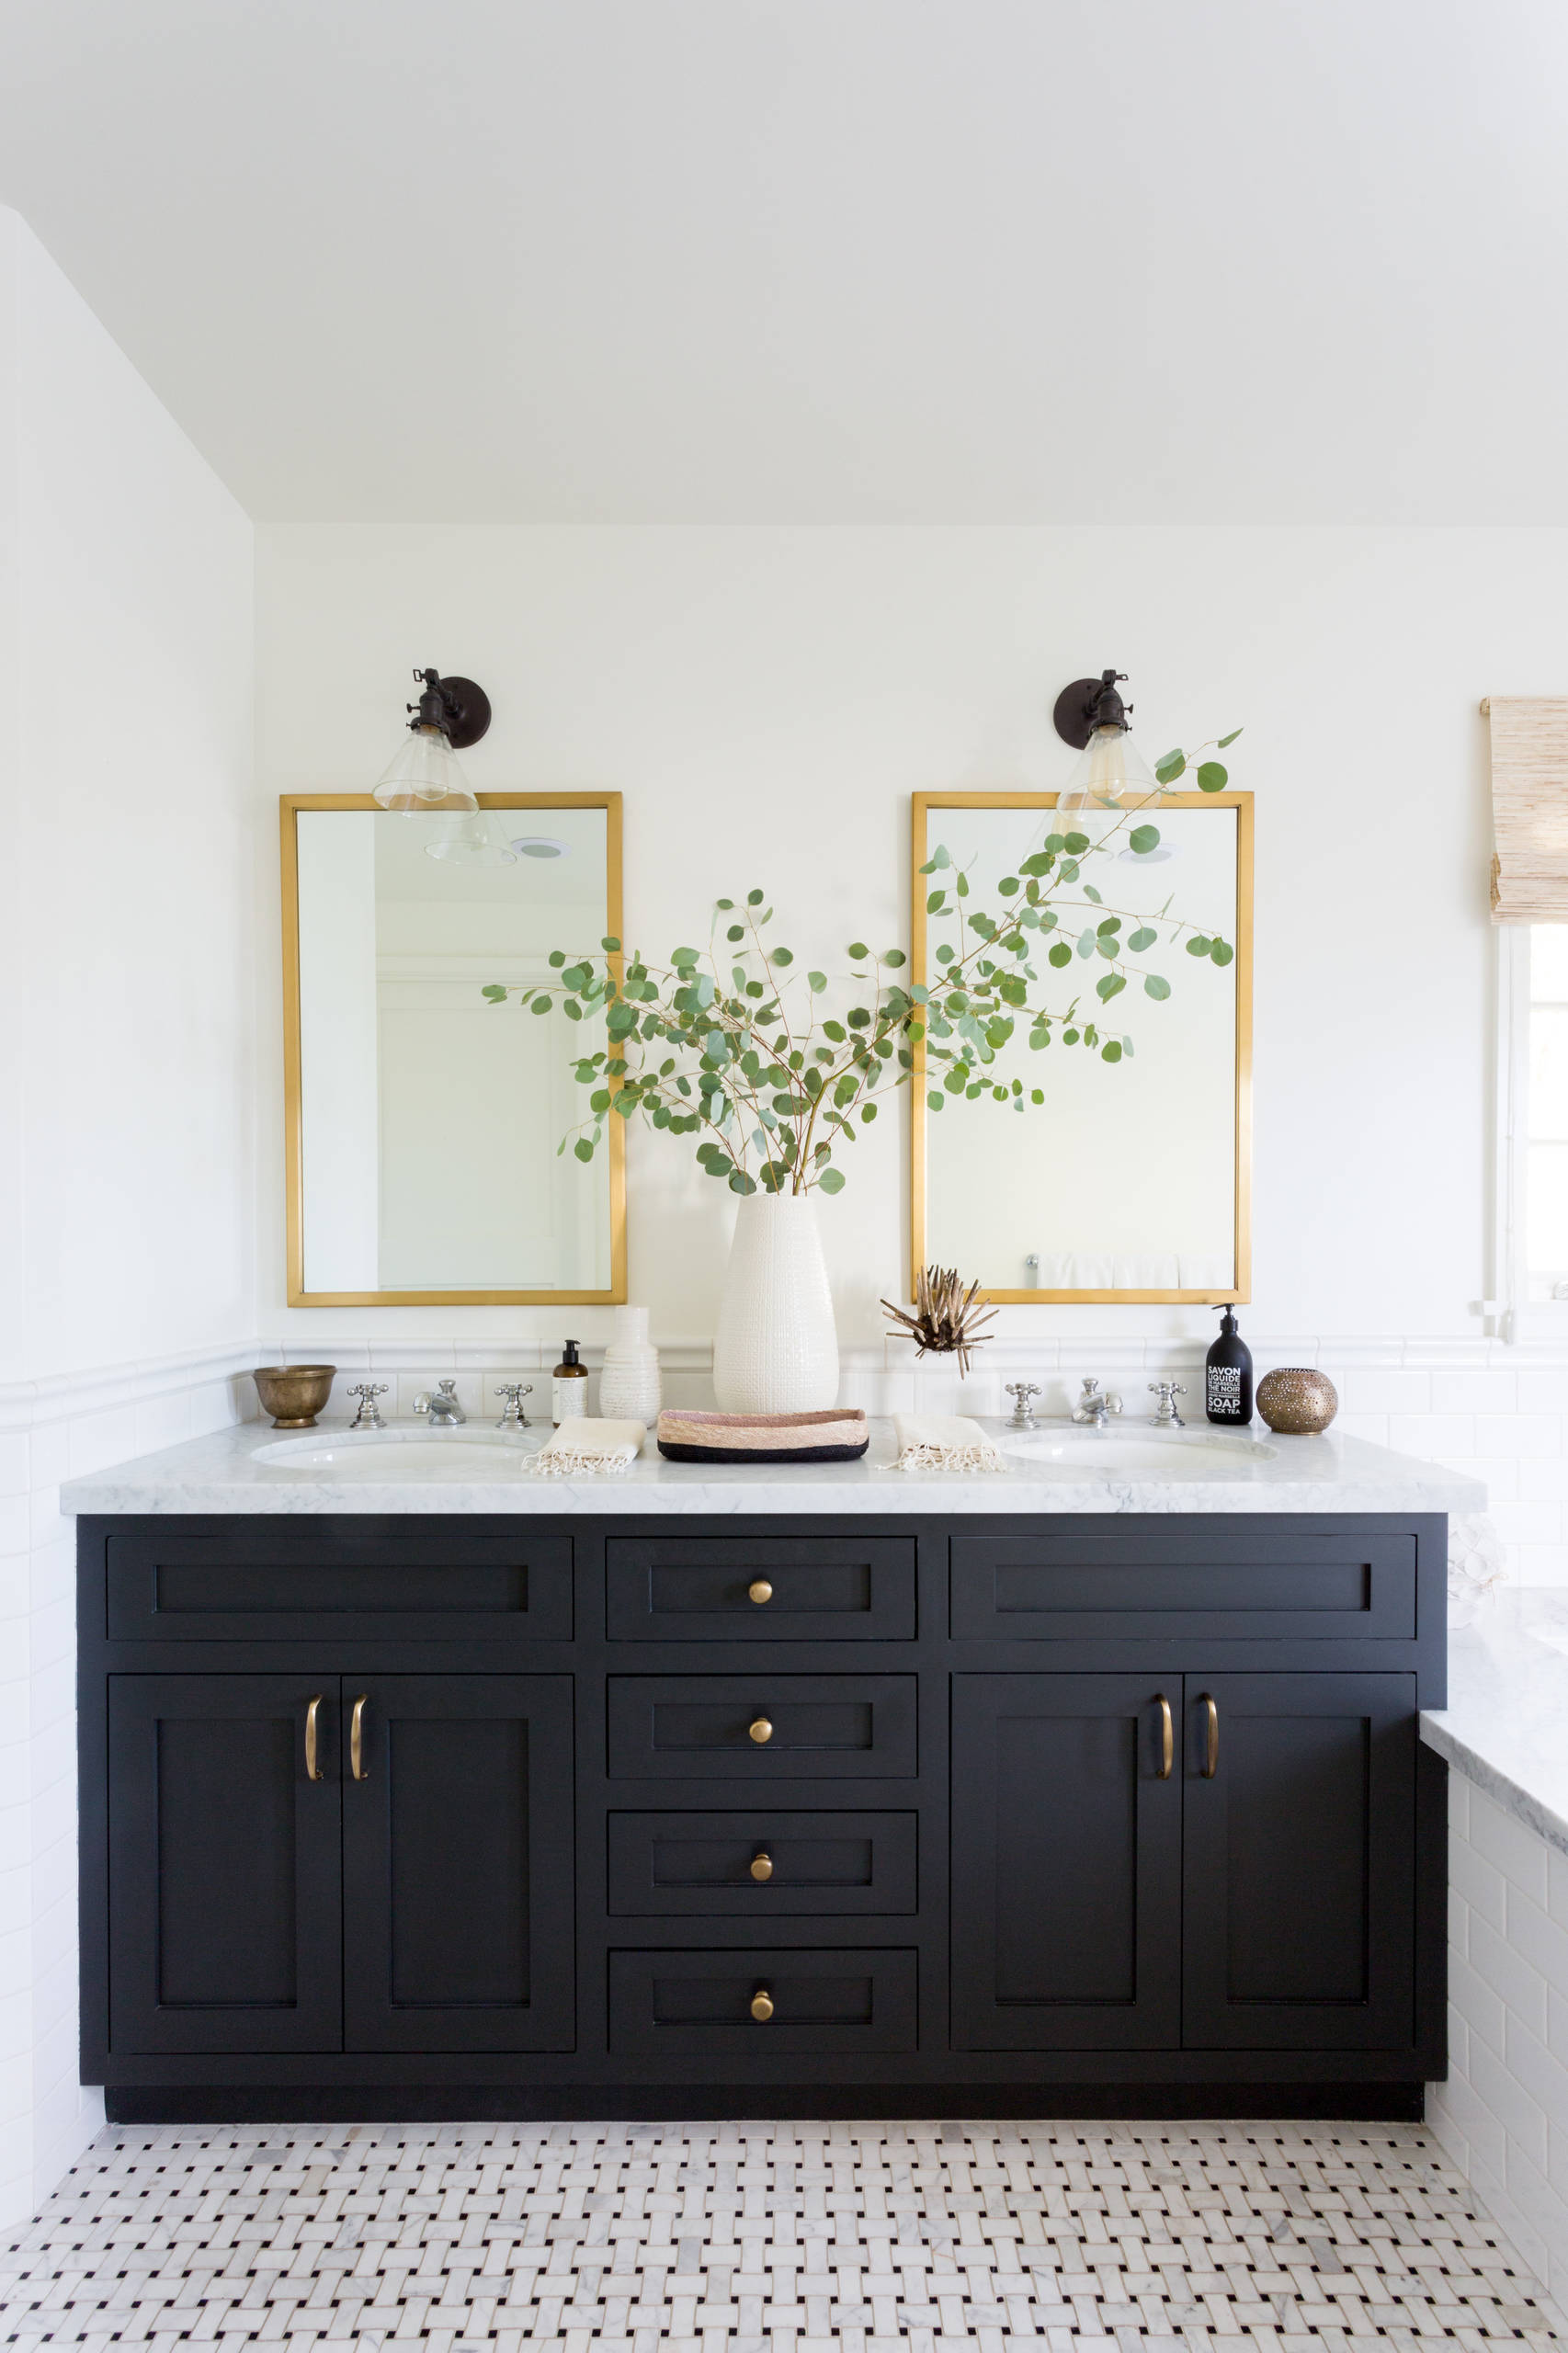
1530	808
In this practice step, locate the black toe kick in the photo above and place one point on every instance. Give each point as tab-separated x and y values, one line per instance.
680	2103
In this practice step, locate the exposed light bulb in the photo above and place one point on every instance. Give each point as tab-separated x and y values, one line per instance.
1111	770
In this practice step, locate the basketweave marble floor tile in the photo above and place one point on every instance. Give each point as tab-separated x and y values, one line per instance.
769	2238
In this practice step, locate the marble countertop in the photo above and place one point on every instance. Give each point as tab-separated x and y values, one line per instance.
222	1473
1506	1726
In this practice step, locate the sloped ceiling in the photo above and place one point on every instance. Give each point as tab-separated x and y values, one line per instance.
823	260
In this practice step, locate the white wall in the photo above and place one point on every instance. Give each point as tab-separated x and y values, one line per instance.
766	699
126	1145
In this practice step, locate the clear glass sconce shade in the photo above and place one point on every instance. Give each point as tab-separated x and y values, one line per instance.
1110	769
468	837
423	773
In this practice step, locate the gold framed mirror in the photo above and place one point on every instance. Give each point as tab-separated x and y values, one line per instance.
422	1123
1127	1184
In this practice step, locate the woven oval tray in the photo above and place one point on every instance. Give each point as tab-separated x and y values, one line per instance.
839	1436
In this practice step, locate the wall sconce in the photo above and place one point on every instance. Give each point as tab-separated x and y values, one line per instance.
424	774
1112	773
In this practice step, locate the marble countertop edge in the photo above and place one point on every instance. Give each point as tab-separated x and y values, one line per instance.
219	1473
1510	1789
1506	1725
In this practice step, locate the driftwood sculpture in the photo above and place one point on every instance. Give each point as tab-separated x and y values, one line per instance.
947	1320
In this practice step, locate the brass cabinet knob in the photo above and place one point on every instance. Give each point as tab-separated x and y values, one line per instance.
761	1732
762	1865
762	2005
759	1591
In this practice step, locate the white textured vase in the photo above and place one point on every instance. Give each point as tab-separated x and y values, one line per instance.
629	1383
776	1348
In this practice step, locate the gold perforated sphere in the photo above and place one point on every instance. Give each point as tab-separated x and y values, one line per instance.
1296	1400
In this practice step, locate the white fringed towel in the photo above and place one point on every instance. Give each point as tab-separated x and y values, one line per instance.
943	1442
586	1449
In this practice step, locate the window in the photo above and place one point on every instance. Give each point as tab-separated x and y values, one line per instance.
1545	1268
1530	1278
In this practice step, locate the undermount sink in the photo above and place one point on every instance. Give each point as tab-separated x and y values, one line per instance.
461	1453
1085	1451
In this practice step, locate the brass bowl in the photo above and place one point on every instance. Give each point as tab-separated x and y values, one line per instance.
293	1394
1297	1400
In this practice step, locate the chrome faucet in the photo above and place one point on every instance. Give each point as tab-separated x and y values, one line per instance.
512	1416
1165	1415
369	1417
1094	1406
443	1407
1021	1391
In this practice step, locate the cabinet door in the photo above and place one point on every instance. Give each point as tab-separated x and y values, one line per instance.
1299	1920
1066	1837
458	1873
224	1916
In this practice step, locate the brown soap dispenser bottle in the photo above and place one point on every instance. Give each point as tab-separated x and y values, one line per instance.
568	1388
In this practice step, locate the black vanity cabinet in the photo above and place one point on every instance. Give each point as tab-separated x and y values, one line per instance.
381	1863
449	1818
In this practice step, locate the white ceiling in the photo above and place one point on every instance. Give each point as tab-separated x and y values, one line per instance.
823	260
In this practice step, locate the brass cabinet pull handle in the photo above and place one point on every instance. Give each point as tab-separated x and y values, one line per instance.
761	1864
312	1767
1211	1737
762	2005
1167	1738
356	1739
761	1732
759	1591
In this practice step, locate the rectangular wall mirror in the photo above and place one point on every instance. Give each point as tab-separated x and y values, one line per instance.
424	1122
1130	1182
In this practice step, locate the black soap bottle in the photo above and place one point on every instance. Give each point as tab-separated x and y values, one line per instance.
1227	1375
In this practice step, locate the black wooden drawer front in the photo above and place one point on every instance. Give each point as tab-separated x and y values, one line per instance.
761	1727
703	2002
759	1865
761	1588
1211	1583
196	1588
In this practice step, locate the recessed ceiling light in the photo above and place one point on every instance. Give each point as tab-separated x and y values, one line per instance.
540	846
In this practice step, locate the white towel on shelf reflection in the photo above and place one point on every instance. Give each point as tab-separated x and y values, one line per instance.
1134	1270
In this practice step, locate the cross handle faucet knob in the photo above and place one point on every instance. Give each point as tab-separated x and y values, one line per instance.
368	1415
1020	1392
512	1416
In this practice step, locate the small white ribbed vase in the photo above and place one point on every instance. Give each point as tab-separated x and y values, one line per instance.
776	1346
629	1385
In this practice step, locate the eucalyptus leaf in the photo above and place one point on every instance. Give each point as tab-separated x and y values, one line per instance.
1212	777
1156	986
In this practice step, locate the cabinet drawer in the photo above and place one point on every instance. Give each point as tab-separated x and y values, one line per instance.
667	1727
314	1578
702	1863
761	1588
701	2002
1215	1585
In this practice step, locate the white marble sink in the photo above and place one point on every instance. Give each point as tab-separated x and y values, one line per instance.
1113	1452
461	1453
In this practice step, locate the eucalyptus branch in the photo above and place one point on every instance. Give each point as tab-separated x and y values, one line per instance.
710	1046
